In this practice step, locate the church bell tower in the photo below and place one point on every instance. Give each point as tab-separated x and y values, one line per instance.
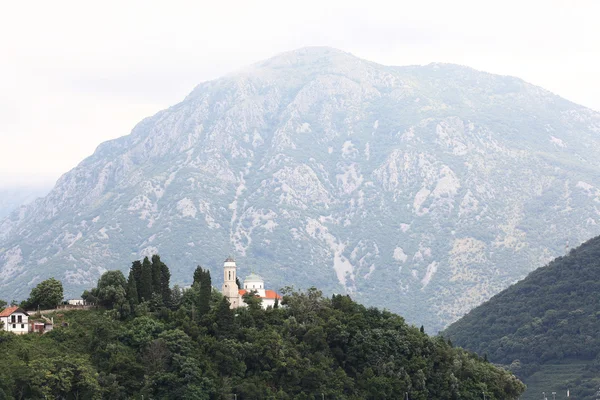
230	288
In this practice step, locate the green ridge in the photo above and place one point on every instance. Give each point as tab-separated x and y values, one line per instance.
545	328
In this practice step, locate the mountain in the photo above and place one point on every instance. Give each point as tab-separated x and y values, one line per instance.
421	189
546	328
11	197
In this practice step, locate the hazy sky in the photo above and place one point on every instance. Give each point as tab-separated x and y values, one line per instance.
74	74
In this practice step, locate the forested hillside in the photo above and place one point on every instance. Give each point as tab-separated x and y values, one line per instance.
174	347
545	327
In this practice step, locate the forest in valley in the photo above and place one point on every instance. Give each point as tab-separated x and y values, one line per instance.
145	339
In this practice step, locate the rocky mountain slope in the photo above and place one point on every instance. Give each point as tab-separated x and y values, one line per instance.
421	189
11	197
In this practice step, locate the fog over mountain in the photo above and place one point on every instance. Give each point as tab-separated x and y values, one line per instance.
421	189
11	196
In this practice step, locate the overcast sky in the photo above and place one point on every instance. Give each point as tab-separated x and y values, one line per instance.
73	74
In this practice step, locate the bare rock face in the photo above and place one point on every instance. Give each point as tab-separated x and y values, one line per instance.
423	189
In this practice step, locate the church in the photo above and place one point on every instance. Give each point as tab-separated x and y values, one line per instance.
252	282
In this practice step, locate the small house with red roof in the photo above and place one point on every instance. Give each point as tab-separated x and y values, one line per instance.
14	319
252	283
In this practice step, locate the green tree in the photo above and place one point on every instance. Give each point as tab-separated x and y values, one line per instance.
165	282
205	293
90	296
136	268
225	319
112	290
2	304
176	297
198	275
132	294
253	301
156	274
203	282
145	290
46	295
64	377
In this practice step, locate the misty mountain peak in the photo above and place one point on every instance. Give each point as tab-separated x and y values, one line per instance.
419	189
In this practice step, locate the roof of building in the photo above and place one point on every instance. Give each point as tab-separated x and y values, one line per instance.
229	259
253	278
269	294
11	310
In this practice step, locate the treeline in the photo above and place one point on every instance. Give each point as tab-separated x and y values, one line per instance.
148	287
191	345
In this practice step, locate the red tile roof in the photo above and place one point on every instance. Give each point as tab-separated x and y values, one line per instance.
269	294
11	310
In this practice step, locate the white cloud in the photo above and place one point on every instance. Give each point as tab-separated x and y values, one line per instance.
75	73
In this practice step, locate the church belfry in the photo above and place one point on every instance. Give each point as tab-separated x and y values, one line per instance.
230	288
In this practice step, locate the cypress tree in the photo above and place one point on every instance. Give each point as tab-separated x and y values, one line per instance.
239	284
136	268
205	292
225	319
132	294
145	289
165	284
156	274
198	275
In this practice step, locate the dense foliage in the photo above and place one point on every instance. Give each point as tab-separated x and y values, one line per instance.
311	347
550	317
46	295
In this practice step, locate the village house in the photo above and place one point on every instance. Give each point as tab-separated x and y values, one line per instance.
252	283
41	324
14	319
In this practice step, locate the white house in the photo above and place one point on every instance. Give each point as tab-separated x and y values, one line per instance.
76	302
15	319
252	282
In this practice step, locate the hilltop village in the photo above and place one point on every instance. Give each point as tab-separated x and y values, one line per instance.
17	320
140	337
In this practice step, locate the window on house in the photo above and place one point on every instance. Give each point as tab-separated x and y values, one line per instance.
20	319
22	326
12	318
14	326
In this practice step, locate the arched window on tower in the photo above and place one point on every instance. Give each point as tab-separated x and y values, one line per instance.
229	275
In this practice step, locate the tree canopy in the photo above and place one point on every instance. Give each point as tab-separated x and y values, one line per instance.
310	347
46	295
